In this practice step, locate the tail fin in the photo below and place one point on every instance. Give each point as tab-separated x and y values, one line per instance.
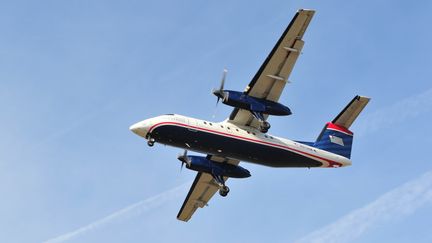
335	137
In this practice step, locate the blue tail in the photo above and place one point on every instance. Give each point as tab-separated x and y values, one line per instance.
335	137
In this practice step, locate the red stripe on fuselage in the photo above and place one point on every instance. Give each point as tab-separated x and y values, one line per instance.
331	162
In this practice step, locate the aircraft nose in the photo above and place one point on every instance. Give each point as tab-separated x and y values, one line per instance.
139	128
134	128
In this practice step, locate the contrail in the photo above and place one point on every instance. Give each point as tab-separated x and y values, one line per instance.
133	210
395	204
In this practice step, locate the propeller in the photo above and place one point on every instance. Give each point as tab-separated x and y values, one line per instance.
220	92
184	159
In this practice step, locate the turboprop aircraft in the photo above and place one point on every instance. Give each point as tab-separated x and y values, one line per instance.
243	136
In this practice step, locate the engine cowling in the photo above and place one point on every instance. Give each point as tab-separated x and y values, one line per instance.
244	101
202	164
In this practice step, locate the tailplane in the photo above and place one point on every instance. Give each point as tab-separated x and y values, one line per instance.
336	136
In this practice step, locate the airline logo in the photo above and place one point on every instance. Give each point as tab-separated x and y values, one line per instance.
336	140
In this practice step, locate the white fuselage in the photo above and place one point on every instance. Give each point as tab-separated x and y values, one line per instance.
229	140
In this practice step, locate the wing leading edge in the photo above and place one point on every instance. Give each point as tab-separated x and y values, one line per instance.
269	82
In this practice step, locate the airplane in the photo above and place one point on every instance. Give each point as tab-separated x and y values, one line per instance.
244	135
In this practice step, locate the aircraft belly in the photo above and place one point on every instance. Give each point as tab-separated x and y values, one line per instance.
210	143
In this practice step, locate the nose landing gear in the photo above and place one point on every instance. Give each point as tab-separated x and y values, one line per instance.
151	142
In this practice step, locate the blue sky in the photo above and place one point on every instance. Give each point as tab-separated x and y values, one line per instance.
76	74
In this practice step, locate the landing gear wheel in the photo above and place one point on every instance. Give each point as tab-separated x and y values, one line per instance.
151	142
224	191
264	127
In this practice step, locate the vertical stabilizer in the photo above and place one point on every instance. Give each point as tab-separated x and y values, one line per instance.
336	136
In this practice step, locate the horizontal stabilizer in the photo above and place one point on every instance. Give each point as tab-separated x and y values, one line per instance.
347	116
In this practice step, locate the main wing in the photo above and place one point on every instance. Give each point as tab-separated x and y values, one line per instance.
202	190
269	82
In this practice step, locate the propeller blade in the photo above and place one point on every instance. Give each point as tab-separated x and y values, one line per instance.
220	92
223	79
184	159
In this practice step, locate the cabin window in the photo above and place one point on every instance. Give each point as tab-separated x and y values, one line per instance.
266	136
211	124
248	132
271	137
237	130
229	128
205	122
221	126
253	133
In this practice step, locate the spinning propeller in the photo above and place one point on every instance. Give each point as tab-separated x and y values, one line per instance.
184	159
220	92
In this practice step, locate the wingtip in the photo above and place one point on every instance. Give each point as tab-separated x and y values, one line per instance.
306	10
358	97
181	219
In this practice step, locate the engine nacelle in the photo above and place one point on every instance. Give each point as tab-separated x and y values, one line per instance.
202	164
244	101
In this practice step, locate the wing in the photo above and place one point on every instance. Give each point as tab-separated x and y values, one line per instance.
202	190
270	80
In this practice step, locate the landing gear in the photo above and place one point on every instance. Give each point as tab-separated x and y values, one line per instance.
264	125
223	191
151	142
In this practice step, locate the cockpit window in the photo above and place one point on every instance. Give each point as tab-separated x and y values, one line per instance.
169	114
